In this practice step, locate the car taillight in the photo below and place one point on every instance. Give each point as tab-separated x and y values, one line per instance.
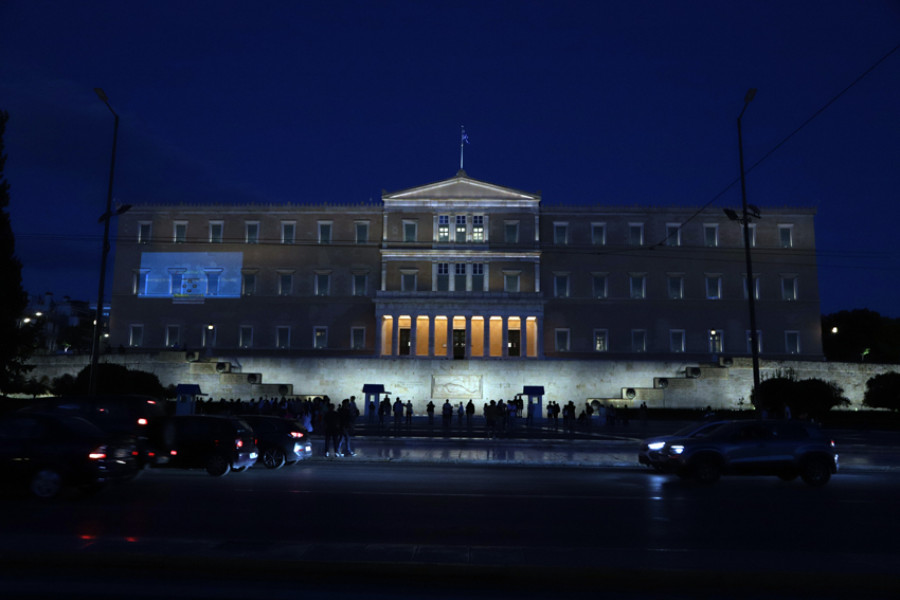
174	453
296	434
239	443
142	421
99	453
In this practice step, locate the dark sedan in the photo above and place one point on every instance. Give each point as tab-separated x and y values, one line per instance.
46	453
280	440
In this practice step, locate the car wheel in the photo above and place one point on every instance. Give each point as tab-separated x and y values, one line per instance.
706	470
218	466
273	458
46	483
816	472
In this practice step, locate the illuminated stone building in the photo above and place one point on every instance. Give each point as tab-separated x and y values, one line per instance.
462	269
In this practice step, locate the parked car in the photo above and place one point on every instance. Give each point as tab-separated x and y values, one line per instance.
651	448
787	449
280	441
47	452
114	413
215	443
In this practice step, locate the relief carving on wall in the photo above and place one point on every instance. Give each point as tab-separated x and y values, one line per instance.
456	387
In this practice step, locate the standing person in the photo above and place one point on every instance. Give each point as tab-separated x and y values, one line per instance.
409	414
398	415
470	414
345	422
512	410
384	409
447	414
460	413
430	410
332	429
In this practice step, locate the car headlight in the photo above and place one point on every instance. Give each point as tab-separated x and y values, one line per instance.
676	449
656	445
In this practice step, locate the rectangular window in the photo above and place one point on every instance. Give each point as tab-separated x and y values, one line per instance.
176	282
789	288
443	277
245	336
598	234
215	232
477	277
599	285
673	234
792	342
676	340
459	277
562	340
212	282
209	336
358	338
249	284
360	281
755	287
443	228
750	342
638	340
601	340
362	233
560	234
511	282
179	235
136	336
676	287
460	229
561	285
713	287
638	287
173	336
323	284
139	287
408	282
511	232
320	337
635	234
324	232
144	232
251	232
752	228
716	341
288	232
711	235
478	228
282	337
409	231
285	284
786	236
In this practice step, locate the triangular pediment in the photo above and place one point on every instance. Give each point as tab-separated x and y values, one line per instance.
462	188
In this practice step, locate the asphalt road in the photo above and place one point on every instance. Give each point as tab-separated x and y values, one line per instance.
407	525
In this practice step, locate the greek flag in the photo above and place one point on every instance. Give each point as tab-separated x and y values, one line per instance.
465	136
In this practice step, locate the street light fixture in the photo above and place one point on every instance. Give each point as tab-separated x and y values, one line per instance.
749	211
105	218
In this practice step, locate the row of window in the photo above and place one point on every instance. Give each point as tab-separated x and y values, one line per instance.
601	343
715	339
465	277
463	229
174	337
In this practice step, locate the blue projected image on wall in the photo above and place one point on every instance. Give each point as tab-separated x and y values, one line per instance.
190	276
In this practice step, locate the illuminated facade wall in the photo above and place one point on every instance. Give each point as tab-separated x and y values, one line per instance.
462	269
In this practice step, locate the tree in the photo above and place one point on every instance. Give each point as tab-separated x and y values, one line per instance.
17	340
883	391
811	397
111	379
861	336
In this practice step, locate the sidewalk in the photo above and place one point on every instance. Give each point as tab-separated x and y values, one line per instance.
536	446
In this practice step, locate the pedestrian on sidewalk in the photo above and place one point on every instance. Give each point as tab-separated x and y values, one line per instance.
398	415
409	414
345	423
447	415
470	415
332	430
430	411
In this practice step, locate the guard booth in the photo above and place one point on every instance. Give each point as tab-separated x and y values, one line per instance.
372	392
534	403
185	398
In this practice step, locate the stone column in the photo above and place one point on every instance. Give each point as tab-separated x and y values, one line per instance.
523	337
468	337
431	336
505	337
395	336
413	334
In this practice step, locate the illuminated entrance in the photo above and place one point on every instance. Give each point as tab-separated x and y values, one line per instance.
460	337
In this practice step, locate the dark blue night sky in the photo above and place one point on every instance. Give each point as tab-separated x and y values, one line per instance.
611	103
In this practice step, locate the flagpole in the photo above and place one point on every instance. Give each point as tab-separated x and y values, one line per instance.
462	139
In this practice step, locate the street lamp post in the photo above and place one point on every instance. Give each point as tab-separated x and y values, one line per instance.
105	218
754	338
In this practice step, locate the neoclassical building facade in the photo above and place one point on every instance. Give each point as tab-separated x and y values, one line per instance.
462	269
